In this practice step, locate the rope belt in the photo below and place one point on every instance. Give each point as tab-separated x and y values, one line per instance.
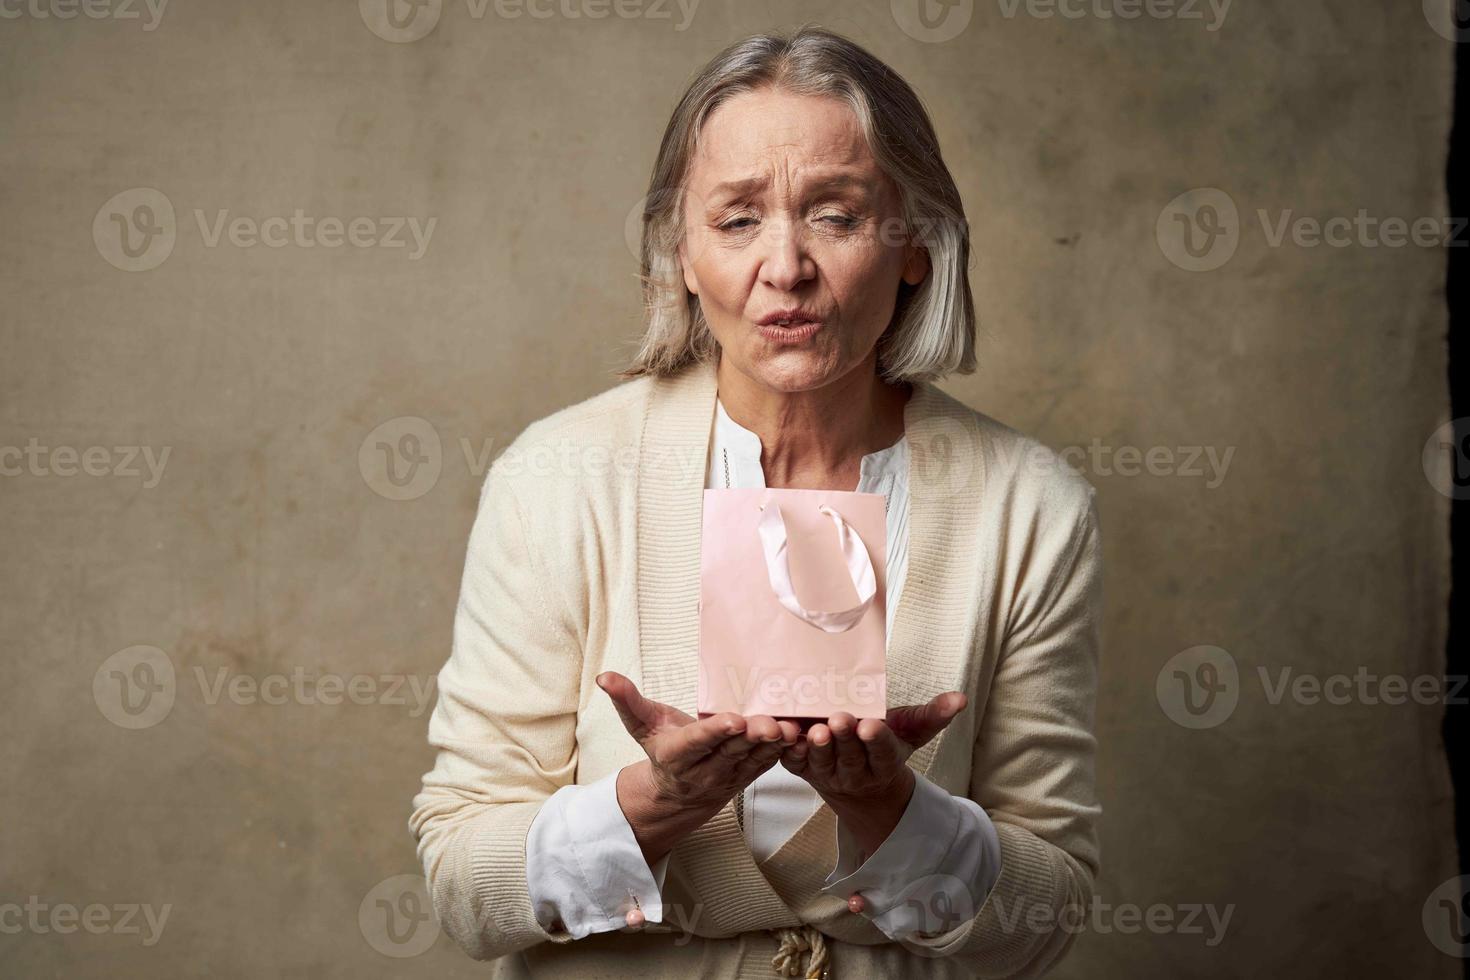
795	942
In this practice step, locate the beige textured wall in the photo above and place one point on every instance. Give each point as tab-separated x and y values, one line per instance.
264	559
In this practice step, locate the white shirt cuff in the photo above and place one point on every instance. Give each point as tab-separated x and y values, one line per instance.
584	868
930	876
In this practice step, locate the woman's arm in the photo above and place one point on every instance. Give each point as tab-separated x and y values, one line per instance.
586	871
944	849
504	727
1033	766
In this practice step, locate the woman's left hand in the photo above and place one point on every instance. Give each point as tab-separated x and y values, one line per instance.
859	767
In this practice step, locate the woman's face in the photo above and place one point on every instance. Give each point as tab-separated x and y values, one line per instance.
787	212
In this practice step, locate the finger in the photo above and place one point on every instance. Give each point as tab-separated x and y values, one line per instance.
707	737
637	713
762	728
762	746
917	724
761	758
790	732
882	745
795	758
820	753
852	756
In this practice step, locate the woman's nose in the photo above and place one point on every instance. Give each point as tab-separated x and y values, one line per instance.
785	262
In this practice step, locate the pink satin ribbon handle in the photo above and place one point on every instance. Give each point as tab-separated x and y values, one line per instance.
772	530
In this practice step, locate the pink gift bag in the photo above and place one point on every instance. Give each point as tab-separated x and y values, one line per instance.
792	619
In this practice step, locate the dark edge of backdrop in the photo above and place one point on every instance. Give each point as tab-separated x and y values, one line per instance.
1456	726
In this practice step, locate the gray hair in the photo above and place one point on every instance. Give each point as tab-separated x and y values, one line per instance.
932	333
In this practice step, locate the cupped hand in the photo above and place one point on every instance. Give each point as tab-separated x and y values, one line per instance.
845	757
698	762
859	766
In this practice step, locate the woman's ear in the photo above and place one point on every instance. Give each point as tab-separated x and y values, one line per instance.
691	282
916	264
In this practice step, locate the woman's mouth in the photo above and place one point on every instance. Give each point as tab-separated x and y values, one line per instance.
795	330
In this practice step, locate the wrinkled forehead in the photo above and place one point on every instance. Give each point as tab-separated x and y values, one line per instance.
780	137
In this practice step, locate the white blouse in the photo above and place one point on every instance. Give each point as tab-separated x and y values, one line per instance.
582	858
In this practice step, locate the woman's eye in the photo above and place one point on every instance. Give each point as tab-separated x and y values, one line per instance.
839	220
737	224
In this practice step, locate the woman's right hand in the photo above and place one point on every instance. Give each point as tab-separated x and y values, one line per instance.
694	766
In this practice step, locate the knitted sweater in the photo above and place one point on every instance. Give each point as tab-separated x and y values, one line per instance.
584	557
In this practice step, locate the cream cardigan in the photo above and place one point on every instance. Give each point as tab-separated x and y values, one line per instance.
584	557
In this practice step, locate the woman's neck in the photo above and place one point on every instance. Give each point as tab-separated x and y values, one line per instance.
816	439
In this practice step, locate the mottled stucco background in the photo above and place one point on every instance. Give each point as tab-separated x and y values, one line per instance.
223	610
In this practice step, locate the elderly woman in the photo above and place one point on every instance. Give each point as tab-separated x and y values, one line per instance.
804	258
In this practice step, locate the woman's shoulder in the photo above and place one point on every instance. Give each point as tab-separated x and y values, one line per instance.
1010	468
585	438
593	419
